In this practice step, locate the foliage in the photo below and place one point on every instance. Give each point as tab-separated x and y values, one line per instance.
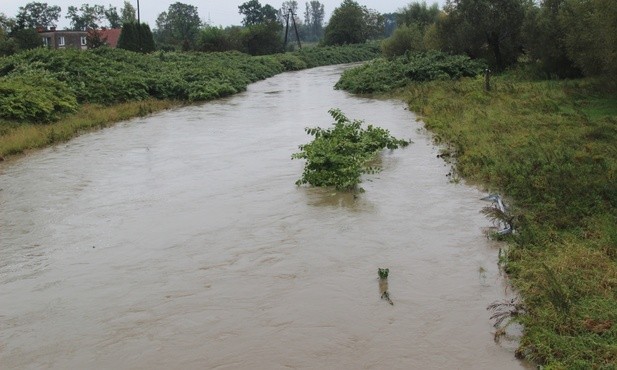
254	13
470	25
543	37
178	26
352	23
87	16
591	37
550	146
26	39
419	14
383	75
314	16
36	14
136	37
263	38
128	13
111	76
404	39
35	96
338	156
112	16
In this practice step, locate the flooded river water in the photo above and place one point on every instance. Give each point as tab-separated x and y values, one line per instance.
180	241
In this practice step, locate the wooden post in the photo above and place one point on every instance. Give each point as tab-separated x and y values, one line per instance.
487	79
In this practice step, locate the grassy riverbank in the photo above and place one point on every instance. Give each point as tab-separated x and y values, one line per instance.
50	96
551	148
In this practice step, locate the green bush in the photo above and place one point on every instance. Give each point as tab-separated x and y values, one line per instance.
35	97
338	156
384	75
404	39
110	76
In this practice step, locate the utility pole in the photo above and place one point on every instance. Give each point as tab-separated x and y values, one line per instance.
138	29
293	19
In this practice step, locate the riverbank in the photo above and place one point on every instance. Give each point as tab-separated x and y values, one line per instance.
550	148
51	96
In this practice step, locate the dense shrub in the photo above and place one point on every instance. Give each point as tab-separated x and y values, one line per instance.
383	75
35	96
404	39
110	76
338	156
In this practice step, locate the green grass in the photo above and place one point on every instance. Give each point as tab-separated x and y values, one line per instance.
551	148
17	138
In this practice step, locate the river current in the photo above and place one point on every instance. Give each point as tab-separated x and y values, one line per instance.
179	240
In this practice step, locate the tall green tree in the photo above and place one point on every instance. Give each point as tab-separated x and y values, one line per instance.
543	39
352	23
418	13
128	13
136	37
87	16
314	16
112	16
590	35
470	25
254	13
36	14
178	26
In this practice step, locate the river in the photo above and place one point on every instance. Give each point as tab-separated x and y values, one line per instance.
179	240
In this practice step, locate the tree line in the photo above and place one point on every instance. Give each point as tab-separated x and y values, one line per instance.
564	38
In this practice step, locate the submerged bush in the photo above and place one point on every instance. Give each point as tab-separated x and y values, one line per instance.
339	155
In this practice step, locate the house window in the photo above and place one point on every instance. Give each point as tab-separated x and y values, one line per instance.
84	41
61	41
47	41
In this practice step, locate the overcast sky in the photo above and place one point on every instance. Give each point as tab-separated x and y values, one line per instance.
217	12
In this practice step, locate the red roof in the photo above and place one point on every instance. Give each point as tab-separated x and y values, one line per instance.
111	35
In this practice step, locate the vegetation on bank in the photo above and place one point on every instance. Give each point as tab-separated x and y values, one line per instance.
382	75
550	147
42	86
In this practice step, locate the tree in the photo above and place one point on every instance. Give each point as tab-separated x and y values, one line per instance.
543	39
404	38
418	13
254	13
128	13
470	25
590	35
113	18
352	24
36	14
179	26
263	38
27	38
313	18
87	16
136	37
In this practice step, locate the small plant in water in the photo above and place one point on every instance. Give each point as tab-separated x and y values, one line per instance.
383	284
339	155
504	311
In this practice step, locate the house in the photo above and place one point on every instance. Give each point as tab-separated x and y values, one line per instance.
65	39
110	36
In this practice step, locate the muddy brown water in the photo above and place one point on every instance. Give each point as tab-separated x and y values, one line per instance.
179	240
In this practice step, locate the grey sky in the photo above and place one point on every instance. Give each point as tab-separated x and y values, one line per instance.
218	12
